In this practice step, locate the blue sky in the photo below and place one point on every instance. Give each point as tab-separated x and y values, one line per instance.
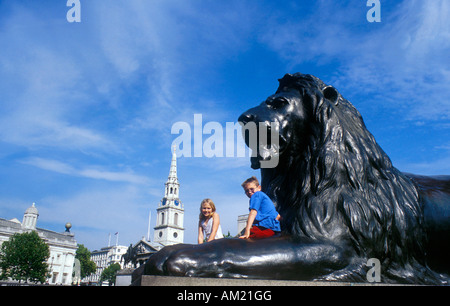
86	109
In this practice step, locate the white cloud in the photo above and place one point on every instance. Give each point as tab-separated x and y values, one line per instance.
41	131
134	66
91	173
96	212
403	59
440	166
43	88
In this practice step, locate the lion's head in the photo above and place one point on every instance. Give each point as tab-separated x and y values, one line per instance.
333	181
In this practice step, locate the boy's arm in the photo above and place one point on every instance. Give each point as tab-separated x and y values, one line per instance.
251	218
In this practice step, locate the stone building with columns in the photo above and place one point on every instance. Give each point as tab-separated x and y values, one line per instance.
62	246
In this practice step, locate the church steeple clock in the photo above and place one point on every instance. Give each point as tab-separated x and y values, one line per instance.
170	212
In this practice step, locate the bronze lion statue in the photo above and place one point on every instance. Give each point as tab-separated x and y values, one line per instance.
341	200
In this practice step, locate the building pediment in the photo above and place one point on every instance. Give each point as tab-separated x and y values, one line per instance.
144	247
141	251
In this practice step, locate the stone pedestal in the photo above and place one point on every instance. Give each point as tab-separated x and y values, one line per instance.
152	280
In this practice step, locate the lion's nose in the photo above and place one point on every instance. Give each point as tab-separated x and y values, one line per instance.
246	117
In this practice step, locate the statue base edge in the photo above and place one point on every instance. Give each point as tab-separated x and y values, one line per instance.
154	280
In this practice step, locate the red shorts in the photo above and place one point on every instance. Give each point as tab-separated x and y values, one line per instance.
257	232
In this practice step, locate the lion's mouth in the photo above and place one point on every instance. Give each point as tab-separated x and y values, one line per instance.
266	145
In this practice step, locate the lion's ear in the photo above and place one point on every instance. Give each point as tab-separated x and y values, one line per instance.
330	93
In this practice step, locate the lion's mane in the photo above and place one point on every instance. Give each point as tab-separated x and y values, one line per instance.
337	184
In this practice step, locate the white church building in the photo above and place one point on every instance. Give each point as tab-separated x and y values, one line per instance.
168	229
170	212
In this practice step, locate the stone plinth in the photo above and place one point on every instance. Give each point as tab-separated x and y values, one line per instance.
152	280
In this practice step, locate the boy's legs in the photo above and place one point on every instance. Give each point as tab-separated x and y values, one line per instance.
257	232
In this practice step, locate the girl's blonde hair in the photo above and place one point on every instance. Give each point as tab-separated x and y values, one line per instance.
213	207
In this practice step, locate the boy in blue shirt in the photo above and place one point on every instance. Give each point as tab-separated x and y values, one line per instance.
263	219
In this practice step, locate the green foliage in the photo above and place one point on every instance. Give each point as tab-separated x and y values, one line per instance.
109	274
87	265
24	258
228	235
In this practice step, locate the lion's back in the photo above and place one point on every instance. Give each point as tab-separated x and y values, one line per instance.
435	192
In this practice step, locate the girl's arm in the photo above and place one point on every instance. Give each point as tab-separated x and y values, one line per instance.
200	233
215	227
251	218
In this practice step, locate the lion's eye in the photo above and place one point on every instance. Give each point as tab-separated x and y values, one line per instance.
277	103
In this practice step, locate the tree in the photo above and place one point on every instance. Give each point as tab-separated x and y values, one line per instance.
87	265
109	274
24	258
228	235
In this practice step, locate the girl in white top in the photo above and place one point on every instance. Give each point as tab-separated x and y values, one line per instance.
209	222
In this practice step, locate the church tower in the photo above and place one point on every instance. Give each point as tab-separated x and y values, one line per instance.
170	212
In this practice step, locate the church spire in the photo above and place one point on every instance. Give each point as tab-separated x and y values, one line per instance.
170	212
173	168
172	185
